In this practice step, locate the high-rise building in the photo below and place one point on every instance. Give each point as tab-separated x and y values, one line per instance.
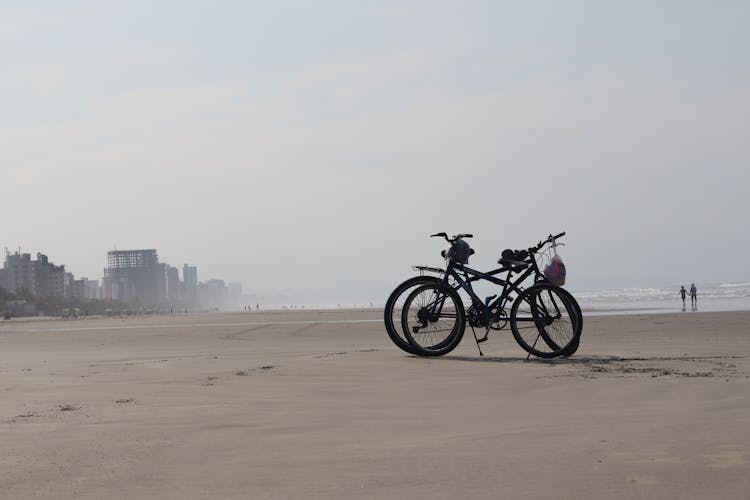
216	292
190	282
68	284
173	284
135	276
18	275
235	292
91	289
38	277
77	289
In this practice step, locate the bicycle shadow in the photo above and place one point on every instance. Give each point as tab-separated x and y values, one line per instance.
573	361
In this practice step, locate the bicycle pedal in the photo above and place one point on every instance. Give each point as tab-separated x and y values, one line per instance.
483	339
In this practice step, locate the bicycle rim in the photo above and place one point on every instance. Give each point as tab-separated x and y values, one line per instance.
433	319
543	321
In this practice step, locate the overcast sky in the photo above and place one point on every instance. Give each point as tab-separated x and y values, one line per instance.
310	148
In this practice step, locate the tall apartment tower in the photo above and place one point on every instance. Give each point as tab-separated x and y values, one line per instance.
190	281
173	284
234	290
136	276
39	277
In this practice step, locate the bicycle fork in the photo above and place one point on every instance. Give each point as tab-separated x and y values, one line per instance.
542	312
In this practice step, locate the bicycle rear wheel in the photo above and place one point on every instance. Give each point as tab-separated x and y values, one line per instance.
394	306
543	321
433	319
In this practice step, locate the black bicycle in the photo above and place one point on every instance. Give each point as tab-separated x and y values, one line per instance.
425	315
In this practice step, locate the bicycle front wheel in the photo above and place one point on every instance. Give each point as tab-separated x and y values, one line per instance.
575	309
543	321
433	319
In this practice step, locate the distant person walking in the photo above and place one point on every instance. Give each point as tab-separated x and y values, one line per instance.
693	295
683	294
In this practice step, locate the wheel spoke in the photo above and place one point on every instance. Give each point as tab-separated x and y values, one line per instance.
431	320
547	328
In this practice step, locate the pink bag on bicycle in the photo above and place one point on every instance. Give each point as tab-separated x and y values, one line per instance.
555	271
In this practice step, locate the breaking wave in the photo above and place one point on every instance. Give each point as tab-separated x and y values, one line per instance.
723	296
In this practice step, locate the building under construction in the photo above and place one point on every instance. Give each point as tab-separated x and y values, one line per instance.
136	277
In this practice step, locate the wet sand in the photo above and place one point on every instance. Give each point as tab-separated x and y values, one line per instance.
229	406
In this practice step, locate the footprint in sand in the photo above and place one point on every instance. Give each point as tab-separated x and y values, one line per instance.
330	354
244	373
24	417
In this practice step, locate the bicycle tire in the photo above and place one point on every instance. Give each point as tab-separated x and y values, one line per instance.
550	317
425	314
393	307
571	348
576	319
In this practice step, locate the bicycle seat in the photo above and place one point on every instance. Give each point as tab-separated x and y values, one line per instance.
513	265
519	255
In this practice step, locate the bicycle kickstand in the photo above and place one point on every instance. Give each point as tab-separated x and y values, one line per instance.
535	341
478	340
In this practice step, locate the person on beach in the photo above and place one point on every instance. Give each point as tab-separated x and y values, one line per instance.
683	294
693	295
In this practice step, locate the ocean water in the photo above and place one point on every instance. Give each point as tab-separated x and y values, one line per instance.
711	297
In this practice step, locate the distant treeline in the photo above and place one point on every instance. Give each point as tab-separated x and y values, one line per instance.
13	304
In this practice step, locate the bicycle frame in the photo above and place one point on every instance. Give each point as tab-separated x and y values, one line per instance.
470	275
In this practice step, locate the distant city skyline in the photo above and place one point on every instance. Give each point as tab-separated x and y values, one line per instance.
131	277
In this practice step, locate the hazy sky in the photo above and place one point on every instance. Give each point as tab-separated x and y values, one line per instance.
310	148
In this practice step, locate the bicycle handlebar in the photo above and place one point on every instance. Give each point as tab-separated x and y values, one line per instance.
452	240
550	239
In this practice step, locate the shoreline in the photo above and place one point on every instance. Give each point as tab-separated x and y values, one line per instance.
376	310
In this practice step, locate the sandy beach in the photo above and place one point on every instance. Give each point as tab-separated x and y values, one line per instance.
305	404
